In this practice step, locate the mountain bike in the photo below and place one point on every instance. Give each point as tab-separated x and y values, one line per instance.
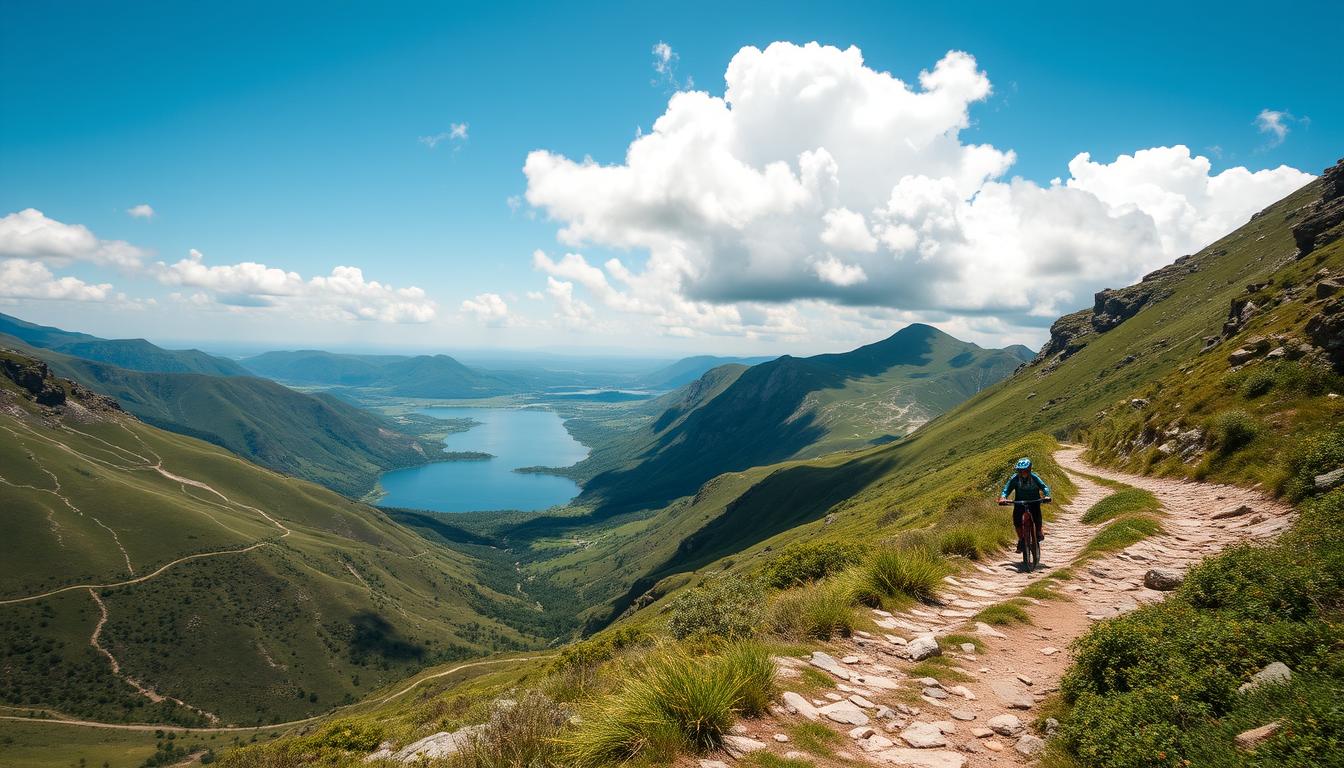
1026	530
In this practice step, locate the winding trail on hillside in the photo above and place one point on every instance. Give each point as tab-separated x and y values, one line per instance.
1019	665
244	728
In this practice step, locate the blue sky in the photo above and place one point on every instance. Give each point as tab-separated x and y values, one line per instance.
289	135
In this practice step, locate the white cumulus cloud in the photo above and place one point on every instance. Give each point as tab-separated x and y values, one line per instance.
29	234
815	181
24	279
141	211
488	308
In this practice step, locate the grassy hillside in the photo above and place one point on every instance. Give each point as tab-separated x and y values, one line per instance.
314	437
234	590
794	408
132	354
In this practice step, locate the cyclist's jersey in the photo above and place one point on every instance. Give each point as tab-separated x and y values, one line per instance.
1030	488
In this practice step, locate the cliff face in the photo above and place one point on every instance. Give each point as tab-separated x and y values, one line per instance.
1323	222
34	381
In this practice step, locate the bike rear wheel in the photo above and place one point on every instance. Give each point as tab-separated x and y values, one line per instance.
1031	549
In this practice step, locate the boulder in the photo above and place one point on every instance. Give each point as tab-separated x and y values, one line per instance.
922	647
1273	674
1253	738
1241	356
845	713
1162	581
1329	479
1006	725
963	714
439	745
827	662
741	746
1327	288
1011	694
923	736
802	706
1029	745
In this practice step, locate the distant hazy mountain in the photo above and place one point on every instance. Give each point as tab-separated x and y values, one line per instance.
739	417
133	354
408	376
688	369
315	437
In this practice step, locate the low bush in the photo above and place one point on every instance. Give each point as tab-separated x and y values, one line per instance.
904	573
1311	456
721	607
803	563
1232	430
817	611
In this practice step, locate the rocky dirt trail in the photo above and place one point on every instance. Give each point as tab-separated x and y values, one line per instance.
977	710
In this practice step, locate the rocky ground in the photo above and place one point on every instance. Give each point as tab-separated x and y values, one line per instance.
885	715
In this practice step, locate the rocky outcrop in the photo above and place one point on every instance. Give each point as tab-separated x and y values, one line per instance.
35	381
1110	308
1326	331
1323	222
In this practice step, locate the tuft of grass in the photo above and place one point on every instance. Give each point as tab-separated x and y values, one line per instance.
816	680
672	702
1233	430
1042	590
817	611
1121	533
526	733
1122	502
999	614
814	738
912	573
940	667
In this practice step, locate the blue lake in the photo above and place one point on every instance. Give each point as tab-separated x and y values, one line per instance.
516	437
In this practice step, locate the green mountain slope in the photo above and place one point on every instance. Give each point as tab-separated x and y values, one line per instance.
432	376
221	589
794	408
314	437
133	354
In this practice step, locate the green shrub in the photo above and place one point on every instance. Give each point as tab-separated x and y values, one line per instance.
816	611
1311	456
1231	430
1121	502
803	563
752	667
723	606
912	573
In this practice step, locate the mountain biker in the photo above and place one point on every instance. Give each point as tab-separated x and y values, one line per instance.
1027	486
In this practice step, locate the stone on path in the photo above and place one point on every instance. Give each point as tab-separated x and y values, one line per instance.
962	691
740	746
963	714
713	764
800	705
827	662
862	732
845	713
968	647
923	736
1050	650
1025	680
1011	695
878	681
1252	738
1029	745
923	647
850	660
782	738
935	693
981	628
1005	725
862	702
981	732
921	758
1233	512
1273	673
1162	581
994	745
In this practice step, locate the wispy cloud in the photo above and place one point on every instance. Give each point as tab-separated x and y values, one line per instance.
665	66
456	134
1277	124
141	211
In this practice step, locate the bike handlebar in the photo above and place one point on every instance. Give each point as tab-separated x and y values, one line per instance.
1014	502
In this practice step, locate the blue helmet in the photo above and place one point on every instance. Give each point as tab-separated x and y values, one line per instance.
1024	463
